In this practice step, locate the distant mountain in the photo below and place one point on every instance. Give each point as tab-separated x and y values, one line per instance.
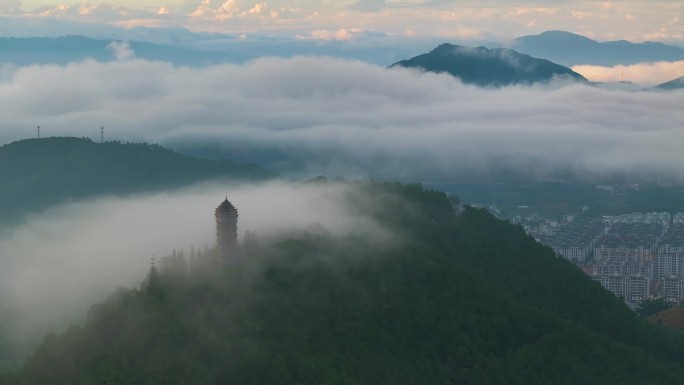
676	84
488	67
67	49
37	173
570	49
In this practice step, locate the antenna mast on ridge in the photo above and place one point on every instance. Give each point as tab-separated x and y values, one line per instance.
38	132
101	134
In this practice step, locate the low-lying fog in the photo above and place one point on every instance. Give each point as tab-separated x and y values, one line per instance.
59	262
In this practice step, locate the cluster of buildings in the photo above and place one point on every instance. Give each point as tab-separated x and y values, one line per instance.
635	256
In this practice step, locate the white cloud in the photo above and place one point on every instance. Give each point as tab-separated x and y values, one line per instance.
122	50
222	10
645	73
257	9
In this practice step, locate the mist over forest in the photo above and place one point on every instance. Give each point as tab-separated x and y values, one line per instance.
58	262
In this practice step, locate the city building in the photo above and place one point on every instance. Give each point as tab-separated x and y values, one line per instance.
632	289
673	289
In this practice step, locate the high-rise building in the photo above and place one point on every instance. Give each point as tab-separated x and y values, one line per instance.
631	288
673	289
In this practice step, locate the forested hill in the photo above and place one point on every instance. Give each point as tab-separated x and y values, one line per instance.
463	298
37	173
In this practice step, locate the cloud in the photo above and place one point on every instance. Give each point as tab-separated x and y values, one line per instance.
352	118
340	34
645	73
59	262
257	9
222	10
122	50
87	10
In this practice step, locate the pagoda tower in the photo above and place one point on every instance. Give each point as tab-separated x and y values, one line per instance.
226	232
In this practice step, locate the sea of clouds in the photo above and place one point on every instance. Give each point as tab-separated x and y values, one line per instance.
343	117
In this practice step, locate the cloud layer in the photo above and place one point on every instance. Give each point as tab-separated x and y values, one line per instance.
351	118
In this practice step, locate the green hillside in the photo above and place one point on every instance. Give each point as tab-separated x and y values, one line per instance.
37	173
458	297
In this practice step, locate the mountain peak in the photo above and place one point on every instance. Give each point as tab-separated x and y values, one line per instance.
488	67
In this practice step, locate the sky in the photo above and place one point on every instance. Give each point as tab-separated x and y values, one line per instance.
350	19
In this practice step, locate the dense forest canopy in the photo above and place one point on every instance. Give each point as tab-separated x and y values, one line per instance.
453	296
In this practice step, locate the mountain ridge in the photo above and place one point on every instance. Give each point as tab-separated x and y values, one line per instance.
570	49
